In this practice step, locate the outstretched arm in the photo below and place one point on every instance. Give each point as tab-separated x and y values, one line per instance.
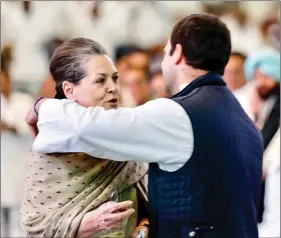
158	131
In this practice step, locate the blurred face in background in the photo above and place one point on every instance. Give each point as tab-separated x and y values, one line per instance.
234	75
100	85
138	60
136	82
265	84
157	86
122	67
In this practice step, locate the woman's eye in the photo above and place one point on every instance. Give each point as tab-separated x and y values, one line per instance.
101	80
115	78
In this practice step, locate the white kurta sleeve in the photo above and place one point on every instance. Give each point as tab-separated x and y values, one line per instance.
158	131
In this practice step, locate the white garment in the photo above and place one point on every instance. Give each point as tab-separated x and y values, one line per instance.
27	33
14	148
159	131
246	39
258	11
244	96
270	226
14	110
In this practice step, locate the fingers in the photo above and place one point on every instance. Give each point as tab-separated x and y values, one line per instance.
113	207
116	225
120	215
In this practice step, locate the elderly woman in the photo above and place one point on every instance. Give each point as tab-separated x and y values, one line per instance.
66	195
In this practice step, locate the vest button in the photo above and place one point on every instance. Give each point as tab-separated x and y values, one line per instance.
191	234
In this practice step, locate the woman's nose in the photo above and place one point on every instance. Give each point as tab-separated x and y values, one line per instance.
112	88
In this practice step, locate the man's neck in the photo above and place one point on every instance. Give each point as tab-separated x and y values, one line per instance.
186	76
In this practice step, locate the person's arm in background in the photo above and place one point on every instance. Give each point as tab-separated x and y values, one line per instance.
158	131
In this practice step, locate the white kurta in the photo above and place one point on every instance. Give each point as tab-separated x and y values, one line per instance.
14	148
270	226
159	131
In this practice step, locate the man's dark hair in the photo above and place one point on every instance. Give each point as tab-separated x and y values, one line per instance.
126	50
239	54
205	42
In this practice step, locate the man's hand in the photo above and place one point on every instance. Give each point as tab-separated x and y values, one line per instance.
110	215
32	118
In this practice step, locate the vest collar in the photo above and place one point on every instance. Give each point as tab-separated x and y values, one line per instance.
204	80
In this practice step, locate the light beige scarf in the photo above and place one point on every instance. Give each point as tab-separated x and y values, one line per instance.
61	188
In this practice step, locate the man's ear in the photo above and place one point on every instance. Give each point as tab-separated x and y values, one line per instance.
177	55
68	90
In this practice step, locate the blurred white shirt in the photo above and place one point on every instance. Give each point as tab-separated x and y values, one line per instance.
14	147
14	110
246	39
270	226
244	95
27	33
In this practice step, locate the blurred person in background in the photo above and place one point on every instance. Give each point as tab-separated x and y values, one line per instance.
245	36
264	69
67	195
129	56
274	36
235	78
156	79
136	82
15	141
270	227
219	180
234	74
265	29
48	86
27	25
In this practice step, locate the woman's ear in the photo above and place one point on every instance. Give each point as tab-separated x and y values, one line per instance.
68	90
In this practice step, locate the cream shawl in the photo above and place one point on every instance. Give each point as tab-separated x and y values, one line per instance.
61	188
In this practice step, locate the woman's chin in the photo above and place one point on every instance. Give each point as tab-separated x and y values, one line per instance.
111	106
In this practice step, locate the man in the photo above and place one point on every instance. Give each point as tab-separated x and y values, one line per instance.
156	79
264	69
235	79
205	153
234	75
136	82
130	56
14	134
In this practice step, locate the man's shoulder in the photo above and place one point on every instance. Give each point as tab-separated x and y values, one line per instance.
163	106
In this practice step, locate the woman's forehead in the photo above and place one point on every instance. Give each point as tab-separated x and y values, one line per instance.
100	64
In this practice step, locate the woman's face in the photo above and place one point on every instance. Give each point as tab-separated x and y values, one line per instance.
99	87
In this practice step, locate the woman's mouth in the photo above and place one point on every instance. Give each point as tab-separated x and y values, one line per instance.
113	101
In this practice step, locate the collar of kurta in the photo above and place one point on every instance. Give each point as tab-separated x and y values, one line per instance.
209	79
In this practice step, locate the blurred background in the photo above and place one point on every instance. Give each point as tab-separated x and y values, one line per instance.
134	34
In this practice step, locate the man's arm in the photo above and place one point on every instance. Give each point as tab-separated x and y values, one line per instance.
158	131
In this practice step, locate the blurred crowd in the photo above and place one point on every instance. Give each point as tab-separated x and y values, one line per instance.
134	34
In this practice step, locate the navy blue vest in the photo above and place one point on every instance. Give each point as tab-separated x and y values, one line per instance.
216	193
